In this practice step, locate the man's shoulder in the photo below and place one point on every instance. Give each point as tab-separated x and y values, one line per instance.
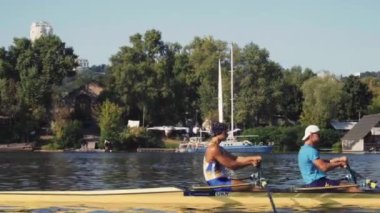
308	149
213	148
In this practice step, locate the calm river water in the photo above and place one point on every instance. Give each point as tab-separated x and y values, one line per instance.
85	171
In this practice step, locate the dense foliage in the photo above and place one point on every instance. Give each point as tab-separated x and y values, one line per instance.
321	95
162	83
109	119
28	73
287	139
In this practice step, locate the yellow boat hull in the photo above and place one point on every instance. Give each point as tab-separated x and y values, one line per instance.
172	199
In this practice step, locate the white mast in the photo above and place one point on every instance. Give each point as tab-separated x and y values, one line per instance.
232	91
220	94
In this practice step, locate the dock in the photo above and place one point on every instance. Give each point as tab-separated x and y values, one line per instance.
155	150
17	147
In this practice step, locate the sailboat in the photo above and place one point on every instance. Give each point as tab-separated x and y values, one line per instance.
232	144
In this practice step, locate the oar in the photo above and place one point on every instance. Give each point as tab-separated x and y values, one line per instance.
267	190
371	183
220	186
352	173
251	177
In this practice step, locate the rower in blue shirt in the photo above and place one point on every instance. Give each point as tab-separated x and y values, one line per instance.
313	168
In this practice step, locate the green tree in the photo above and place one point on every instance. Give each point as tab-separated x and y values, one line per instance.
10	97
29	72
142	78
205	53
71	135
355	98
321	97
185	86
373	84
110	122
374	107
291	101
258	85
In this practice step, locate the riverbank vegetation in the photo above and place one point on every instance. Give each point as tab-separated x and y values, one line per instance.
42	91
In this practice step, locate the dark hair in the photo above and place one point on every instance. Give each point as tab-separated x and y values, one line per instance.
218	128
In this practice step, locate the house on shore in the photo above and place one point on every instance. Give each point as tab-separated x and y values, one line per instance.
364	136
343	126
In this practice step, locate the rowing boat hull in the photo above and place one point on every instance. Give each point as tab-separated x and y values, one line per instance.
170	198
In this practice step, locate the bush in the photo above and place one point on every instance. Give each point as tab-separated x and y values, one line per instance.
133	138
284	138
69	134
337	147
50	146
290	138
329	137
109	118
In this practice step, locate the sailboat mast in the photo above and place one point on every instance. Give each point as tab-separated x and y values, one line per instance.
232	91
220	94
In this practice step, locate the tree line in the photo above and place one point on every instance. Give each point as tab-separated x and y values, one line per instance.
165	83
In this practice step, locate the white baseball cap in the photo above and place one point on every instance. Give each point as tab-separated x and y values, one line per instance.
310	129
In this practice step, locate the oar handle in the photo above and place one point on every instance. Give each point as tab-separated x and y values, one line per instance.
244	178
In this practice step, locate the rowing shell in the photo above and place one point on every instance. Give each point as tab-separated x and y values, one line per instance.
340	188
173	199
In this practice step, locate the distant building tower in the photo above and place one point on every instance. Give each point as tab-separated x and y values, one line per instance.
82	64
40	28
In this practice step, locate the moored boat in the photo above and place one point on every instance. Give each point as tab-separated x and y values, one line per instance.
231	145
172	198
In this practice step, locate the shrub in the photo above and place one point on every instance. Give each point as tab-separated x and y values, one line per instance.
329	137
68	134
133	138
109	118
290	138
284	138
337	147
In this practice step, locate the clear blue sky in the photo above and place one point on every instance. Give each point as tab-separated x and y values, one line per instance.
340	36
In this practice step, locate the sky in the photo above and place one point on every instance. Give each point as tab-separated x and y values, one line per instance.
339	36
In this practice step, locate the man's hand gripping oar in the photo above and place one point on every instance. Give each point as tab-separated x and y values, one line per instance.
352	175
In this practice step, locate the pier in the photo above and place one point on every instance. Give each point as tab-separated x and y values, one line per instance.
155	150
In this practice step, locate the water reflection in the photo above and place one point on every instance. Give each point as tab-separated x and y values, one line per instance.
85	171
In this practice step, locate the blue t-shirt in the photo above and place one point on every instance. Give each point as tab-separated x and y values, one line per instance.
309	171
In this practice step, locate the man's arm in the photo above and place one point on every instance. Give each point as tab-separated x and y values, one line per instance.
342	159
233	162
328	165
250	160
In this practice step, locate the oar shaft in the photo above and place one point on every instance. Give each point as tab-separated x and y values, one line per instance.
271	200
245	178
369	182
260	173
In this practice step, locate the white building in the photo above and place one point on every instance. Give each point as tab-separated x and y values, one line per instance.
83	64
40	28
